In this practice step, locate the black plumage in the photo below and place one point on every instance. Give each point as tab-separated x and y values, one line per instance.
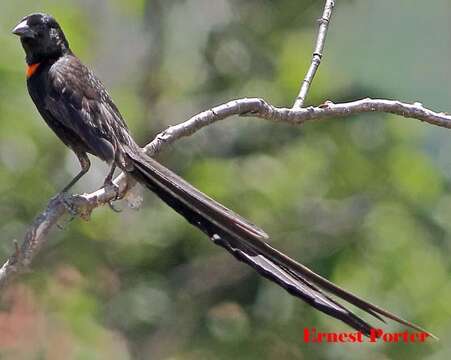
77	107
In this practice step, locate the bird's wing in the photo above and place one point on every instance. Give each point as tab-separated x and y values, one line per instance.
78	101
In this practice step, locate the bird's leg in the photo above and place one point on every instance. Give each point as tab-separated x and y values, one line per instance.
108	182
85	165
65	199
109	178
72	212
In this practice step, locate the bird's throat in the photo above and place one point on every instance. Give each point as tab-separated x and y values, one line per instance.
31	69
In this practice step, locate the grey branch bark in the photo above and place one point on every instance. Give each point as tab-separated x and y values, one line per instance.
317	53
37	233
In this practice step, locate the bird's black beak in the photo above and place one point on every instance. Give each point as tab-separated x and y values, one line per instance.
24	31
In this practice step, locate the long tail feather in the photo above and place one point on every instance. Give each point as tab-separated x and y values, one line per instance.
247	243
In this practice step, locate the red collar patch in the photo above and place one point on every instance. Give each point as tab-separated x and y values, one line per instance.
31	69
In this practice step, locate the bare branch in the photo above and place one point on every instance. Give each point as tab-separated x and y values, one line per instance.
317	53
36	235
259	108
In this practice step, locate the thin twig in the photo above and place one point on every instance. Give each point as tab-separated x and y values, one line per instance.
317	53
36	236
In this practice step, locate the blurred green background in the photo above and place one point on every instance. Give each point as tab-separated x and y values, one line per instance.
365	201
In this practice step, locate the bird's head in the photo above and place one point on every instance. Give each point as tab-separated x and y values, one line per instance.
41	37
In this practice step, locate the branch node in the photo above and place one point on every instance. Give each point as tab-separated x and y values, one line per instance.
326	104
165	134
322	21
214	112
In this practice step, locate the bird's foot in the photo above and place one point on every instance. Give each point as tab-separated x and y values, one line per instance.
66	200
111	185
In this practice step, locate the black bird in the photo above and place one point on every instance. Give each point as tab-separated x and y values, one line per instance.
77	107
